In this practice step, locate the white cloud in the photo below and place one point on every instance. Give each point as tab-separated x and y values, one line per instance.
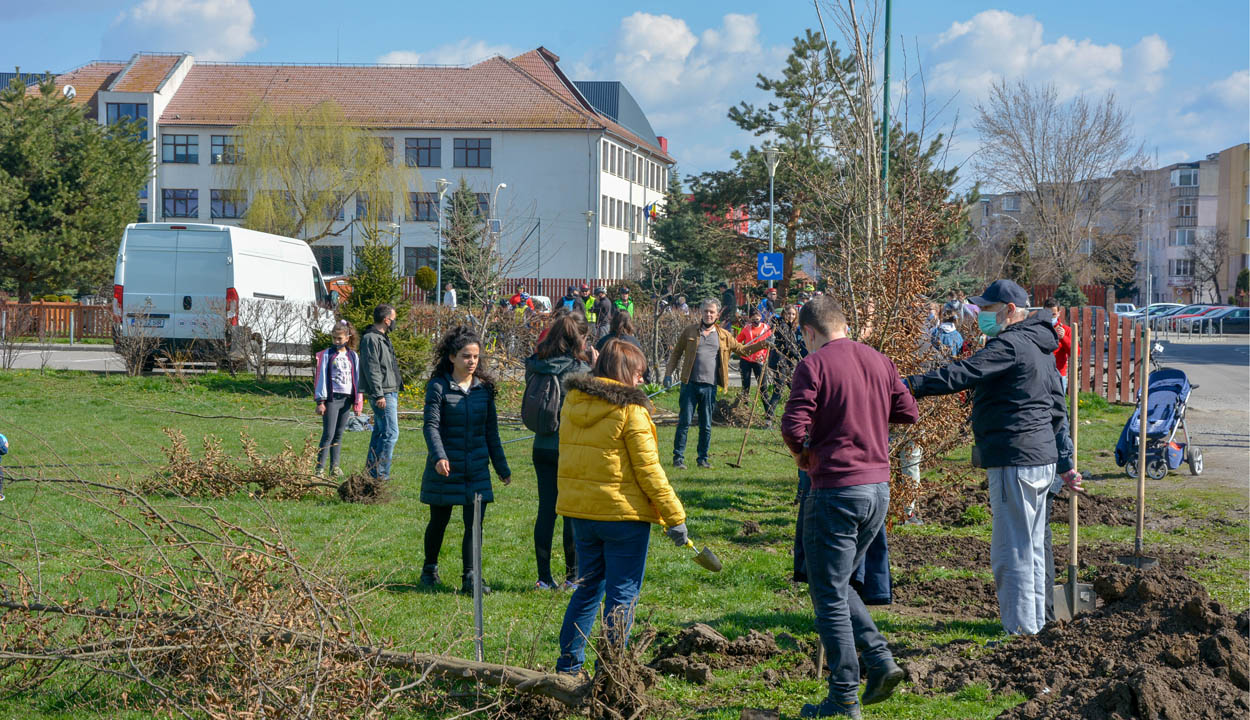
1234	91
465	52
211	29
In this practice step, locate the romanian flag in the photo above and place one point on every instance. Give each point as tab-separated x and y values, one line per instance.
652	211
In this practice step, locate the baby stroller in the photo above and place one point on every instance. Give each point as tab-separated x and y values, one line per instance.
1165	415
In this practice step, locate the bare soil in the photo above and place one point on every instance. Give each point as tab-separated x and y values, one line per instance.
949	506
1158	648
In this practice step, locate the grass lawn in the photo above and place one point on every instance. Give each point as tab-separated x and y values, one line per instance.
68	418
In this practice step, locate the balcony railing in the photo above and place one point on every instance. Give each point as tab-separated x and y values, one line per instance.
1185	191
1181	222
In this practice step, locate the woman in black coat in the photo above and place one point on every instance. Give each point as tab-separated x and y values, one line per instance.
462	443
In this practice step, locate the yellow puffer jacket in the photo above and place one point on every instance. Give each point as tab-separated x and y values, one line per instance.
609	456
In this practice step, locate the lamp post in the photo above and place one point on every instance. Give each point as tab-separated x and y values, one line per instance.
771	156
495	198
397	233
442	186
590	219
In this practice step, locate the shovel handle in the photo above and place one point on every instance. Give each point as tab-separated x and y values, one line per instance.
690	544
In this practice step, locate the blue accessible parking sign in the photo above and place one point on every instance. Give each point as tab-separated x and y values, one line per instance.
768	266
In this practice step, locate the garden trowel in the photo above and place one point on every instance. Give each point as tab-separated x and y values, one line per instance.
705	558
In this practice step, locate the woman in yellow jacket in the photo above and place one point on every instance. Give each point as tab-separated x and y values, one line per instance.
612	487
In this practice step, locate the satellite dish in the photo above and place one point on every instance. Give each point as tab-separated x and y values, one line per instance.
69	91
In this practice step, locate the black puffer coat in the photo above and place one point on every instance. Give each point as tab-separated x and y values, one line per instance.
462	428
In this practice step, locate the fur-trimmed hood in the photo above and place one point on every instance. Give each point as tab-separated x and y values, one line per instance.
619	394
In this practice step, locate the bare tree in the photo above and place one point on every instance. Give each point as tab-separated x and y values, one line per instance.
1067	161
1207	257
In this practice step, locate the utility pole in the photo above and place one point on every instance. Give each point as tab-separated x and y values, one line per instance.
771	157
885	121
590	219
442	189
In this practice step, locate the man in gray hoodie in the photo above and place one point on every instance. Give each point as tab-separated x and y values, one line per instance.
380	381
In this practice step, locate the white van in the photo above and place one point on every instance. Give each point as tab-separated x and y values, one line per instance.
219	292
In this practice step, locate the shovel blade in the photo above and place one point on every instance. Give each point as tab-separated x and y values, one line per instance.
707	560
1067	606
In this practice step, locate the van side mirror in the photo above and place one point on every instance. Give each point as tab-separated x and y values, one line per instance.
334	298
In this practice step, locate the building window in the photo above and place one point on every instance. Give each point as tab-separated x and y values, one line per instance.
227	204
329	259
388	149
180	149
423	207
1187	207
416	258
180	203
364	208
1182	237
483	204
1011	203
472	152
620	214
603	209
612	159
1181	267
603	153
1185	177
226	149
423	152
116	112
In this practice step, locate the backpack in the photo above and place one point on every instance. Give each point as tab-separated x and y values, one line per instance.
540	406
568	304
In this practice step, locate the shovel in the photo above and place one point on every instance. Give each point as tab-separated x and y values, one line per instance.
1073	597
759	390
704	558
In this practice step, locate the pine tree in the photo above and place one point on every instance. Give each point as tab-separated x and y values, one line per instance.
687	243
68	187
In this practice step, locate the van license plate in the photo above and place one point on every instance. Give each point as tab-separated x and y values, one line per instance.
148	322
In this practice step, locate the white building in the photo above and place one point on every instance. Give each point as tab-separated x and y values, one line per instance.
578	174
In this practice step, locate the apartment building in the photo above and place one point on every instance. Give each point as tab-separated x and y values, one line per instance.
1232	214
575	175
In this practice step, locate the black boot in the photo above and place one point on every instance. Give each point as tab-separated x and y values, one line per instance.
429	575
466	585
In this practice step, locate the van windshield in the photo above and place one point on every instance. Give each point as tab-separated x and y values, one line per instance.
319	288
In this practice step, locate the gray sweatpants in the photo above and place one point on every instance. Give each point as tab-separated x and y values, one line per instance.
1018	544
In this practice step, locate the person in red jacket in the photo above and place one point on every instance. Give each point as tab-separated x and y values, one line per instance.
752	364
1064	351
837	423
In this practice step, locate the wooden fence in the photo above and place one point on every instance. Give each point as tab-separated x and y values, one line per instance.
56	320
1110	353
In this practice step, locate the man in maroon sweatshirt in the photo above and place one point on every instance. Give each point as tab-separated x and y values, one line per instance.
837	423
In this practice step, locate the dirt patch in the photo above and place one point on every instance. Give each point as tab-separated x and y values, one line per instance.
911	555
750	527
700	649
1158	648
966	505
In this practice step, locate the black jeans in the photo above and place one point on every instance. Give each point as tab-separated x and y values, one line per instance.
333	422
746	368
440	515
546	463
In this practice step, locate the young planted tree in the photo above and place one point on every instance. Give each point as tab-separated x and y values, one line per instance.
68	187
690	249
1067	161
301	166
1019	266
475	257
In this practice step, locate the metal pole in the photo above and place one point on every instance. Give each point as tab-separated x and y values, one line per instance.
540	253
771	175
885	117
71	327
478	622
1143	376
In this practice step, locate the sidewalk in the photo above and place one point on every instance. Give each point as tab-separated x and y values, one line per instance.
76	347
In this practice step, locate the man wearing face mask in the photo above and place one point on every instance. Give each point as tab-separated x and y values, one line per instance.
1017	411
381	382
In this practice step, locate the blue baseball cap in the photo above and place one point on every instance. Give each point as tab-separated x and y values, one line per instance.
1002	291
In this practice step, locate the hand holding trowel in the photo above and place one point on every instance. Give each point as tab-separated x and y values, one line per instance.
704	558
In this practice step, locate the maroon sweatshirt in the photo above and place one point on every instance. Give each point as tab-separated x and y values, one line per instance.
843	398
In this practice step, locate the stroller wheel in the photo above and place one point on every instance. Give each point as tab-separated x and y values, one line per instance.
1195	460
1157	469
1130	467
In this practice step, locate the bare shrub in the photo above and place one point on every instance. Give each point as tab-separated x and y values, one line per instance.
136	341
286	474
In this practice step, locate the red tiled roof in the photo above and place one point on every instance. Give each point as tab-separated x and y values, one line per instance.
87	80
144	73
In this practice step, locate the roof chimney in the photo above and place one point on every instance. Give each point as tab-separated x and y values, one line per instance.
663	142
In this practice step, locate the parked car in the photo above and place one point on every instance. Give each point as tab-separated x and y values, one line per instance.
1152	310
1176	322
1237	321
1205	321
1124	308
1160	321
218	293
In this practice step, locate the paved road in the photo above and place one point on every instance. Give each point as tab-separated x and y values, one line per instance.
95	358
1219	409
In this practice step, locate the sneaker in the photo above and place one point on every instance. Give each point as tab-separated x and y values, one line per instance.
569	585
429	575
466	585
338	471
540	585
914	519
882	679
705	464
831	708
679	464
319	472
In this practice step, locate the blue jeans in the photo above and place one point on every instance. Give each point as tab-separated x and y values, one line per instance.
700	396
385	435
838	526
611	560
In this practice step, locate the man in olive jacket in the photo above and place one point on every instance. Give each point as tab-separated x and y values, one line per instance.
380	381
701	355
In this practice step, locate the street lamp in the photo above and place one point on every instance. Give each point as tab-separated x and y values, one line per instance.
442	186
495	198
770	158
590	219
396	232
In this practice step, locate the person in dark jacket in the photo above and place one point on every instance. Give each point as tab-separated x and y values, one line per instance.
1017	413
728	306
788	351
604	311
381	382
622	329
561	353
837	422
462	443
572	301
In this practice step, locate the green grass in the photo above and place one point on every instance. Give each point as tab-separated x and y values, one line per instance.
63	417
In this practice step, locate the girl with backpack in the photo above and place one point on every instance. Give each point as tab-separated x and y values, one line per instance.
462	443
612	488
336	388
560	354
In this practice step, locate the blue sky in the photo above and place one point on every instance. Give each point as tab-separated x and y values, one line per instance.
1182	69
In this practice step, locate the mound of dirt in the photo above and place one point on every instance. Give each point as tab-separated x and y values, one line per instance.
970	505
699	649
1158	648
976	597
